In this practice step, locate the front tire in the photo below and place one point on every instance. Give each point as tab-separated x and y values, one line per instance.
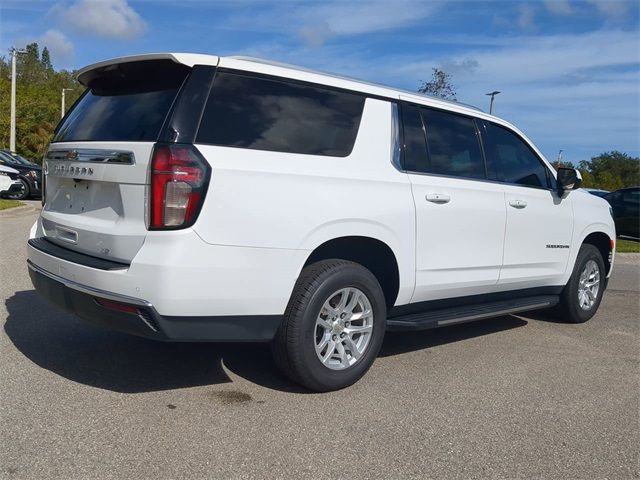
333	326
582	295
24	193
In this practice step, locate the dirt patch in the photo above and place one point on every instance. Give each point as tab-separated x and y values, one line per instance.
230	397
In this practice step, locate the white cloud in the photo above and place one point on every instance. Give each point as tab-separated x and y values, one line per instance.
315	36
104	18
526	17
315	23
558	7
611	8
349	18
59	46
578	90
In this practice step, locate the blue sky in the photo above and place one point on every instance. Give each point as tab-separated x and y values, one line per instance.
568	70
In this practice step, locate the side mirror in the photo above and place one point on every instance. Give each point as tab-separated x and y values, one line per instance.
568	179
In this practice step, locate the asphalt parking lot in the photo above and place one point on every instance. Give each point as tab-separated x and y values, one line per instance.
510	397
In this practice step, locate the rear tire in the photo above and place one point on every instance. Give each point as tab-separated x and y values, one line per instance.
582	295
333	326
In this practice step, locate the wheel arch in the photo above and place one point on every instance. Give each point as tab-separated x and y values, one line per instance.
603	242
372	253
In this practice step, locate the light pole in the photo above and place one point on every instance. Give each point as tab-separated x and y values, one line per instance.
492	94
64	90
12	131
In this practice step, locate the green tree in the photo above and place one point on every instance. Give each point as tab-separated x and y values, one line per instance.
45	59
38	91
610	171
439	86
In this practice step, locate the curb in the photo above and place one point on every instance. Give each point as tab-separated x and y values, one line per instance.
18	211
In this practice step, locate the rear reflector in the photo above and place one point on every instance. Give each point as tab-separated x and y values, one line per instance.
179	178
117	306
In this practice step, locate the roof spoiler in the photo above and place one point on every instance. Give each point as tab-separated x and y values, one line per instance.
88	73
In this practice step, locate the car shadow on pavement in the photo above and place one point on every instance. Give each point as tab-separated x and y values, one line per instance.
396	343
64	344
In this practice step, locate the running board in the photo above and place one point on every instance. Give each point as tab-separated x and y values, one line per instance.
470	313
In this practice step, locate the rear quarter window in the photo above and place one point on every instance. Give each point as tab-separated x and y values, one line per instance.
281	116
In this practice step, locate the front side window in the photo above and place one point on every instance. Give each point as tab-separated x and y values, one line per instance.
276	115
514	161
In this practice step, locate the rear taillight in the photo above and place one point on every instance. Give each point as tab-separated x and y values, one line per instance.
43	185
179	179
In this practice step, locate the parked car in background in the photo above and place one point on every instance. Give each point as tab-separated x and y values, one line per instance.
597	192
9	182
30	174
625	204
203	198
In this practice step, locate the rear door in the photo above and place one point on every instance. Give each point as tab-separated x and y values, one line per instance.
97	164
626	211
460	217
539	226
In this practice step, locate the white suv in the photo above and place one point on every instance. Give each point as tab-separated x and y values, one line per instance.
201	198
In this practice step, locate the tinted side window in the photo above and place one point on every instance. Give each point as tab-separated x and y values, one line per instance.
631	196
453	145
513	158
415	146
275	115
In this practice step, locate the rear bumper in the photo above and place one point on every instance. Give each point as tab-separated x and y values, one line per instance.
182	276
145	321
13	189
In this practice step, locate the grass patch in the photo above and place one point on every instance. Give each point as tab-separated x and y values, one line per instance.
627	246
5	203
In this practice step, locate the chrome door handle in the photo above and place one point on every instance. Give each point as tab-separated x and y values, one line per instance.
438	198
517	203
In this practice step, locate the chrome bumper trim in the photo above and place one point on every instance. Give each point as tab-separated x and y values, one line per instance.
90	290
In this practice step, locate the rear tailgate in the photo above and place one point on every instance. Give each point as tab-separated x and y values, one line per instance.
97	165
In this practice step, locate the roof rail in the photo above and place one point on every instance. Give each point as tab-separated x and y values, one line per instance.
351	79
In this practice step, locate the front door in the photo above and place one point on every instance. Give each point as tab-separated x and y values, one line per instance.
539	225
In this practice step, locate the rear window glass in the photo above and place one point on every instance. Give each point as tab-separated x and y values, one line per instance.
127	102
275	115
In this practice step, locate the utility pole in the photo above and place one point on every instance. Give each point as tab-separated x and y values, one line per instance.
12	132
560	157
492	94
62	109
